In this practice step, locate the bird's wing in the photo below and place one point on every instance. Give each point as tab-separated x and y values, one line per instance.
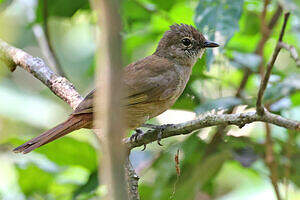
144	81
86	105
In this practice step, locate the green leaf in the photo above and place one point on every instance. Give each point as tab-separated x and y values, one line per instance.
290	147
185	102
218	104
32	179
201	175
134	14
91	184
279	90
164	170
69	151
295	160
218	20
295	98
199	68
5	2
177	10
196	172
164	5
60	8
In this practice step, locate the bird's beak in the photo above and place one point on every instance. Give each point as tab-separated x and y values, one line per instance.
210	44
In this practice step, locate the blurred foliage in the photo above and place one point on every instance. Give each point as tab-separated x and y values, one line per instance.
218	104
219	20
59	8
235	169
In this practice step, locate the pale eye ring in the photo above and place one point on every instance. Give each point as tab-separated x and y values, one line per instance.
186	42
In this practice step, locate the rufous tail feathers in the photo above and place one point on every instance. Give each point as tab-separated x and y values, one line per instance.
73	123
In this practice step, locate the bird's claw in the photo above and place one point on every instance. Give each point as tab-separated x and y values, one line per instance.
160	130
134	137
144	147
159	137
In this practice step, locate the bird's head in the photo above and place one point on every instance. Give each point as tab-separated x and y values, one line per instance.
184	44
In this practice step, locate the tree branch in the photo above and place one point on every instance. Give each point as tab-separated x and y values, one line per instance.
132	181
60	86
265	80
212	120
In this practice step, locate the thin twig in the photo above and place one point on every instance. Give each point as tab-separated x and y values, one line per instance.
221	131
60	86
287	166
270	27
52	55
270	65
209	120
270	161
264	12
264	30
269	145
243	83
293	52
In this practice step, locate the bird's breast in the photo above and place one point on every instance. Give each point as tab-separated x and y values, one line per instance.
183	73
177	79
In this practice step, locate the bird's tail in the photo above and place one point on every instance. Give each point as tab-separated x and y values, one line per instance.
73	123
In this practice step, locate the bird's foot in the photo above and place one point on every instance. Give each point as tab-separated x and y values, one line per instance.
159	128
134	137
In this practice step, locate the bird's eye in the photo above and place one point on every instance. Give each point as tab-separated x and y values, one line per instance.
186	42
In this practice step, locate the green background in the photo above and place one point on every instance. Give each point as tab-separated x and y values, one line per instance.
67	168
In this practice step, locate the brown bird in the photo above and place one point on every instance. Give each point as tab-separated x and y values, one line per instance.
152	84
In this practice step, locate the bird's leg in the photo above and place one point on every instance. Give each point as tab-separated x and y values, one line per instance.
159	128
